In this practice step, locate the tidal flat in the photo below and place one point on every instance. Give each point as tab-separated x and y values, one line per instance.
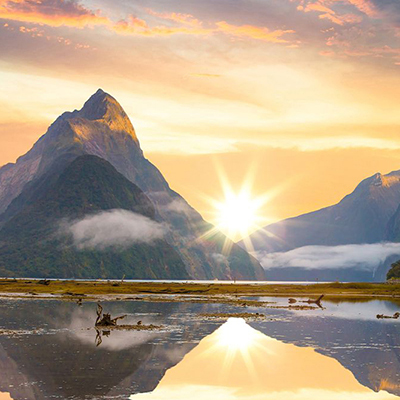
75	288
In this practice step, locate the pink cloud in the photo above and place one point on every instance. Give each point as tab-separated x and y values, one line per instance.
51	12
326	8
71	13
254	32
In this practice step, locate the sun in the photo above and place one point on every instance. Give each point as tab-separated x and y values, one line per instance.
238	214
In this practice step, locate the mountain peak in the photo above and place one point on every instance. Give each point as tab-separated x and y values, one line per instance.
102	107
379	180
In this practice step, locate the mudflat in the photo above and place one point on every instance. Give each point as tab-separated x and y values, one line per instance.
81	288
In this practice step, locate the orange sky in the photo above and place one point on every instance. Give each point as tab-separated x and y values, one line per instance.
303	93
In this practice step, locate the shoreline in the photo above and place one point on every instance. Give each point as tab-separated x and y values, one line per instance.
28	288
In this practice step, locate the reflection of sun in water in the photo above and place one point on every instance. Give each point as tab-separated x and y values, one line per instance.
236	335
236	340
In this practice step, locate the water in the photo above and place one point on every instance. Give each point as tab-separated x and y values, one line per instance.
51	351
204	282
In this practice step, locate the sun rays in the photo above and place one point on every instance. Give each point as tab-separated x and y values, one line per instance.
239	212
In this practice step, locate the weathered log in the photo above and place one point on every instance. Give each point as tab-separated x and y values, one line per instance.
317	301
394	316
104	319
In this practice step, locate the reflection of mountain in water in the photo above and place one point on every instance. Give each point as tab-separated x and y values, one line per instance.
65	363
238	362
69	368
368	348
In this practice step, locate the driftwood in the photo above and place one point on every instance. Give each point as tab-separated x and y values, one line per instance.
44	282
99	334
394	316
105	324
104	319
317	302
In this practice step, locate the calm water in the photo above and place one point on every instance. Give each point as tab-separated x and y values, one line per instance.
58	355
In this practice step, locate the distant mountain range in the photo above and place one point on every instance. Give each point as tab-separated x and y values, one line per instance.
38	195
370	214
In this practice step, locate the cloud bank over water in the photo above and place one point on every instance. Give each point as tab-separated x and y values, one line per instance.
114	228
359	256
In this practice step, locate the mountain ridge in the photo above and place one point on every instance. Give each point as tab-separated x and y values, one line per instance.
375	199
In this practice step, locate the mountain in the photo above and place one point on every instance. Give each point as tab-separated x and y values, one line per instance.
39	240
393	235
102	128
393	227
360	217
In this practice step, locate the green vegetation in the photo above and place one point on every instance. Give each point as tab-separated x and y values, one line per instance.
332	291
32	243
394	272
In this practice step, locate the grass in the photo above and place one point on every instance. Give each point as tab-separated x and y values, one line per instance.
81	288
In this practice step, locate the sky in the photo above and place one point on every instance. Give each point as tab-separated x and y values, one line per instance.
297	98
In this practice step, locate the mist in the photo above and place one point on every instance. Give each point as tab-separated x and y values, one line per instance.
114	228
219	258
360	256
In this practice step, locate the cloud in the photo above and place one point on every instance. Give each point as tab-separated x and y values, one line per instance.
163	202
342	19
185	19
136	26
366	7
195	144
220	258
327	12
359	256
114	228
178	205
36	32
51	12
253	32
205	75
71	13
